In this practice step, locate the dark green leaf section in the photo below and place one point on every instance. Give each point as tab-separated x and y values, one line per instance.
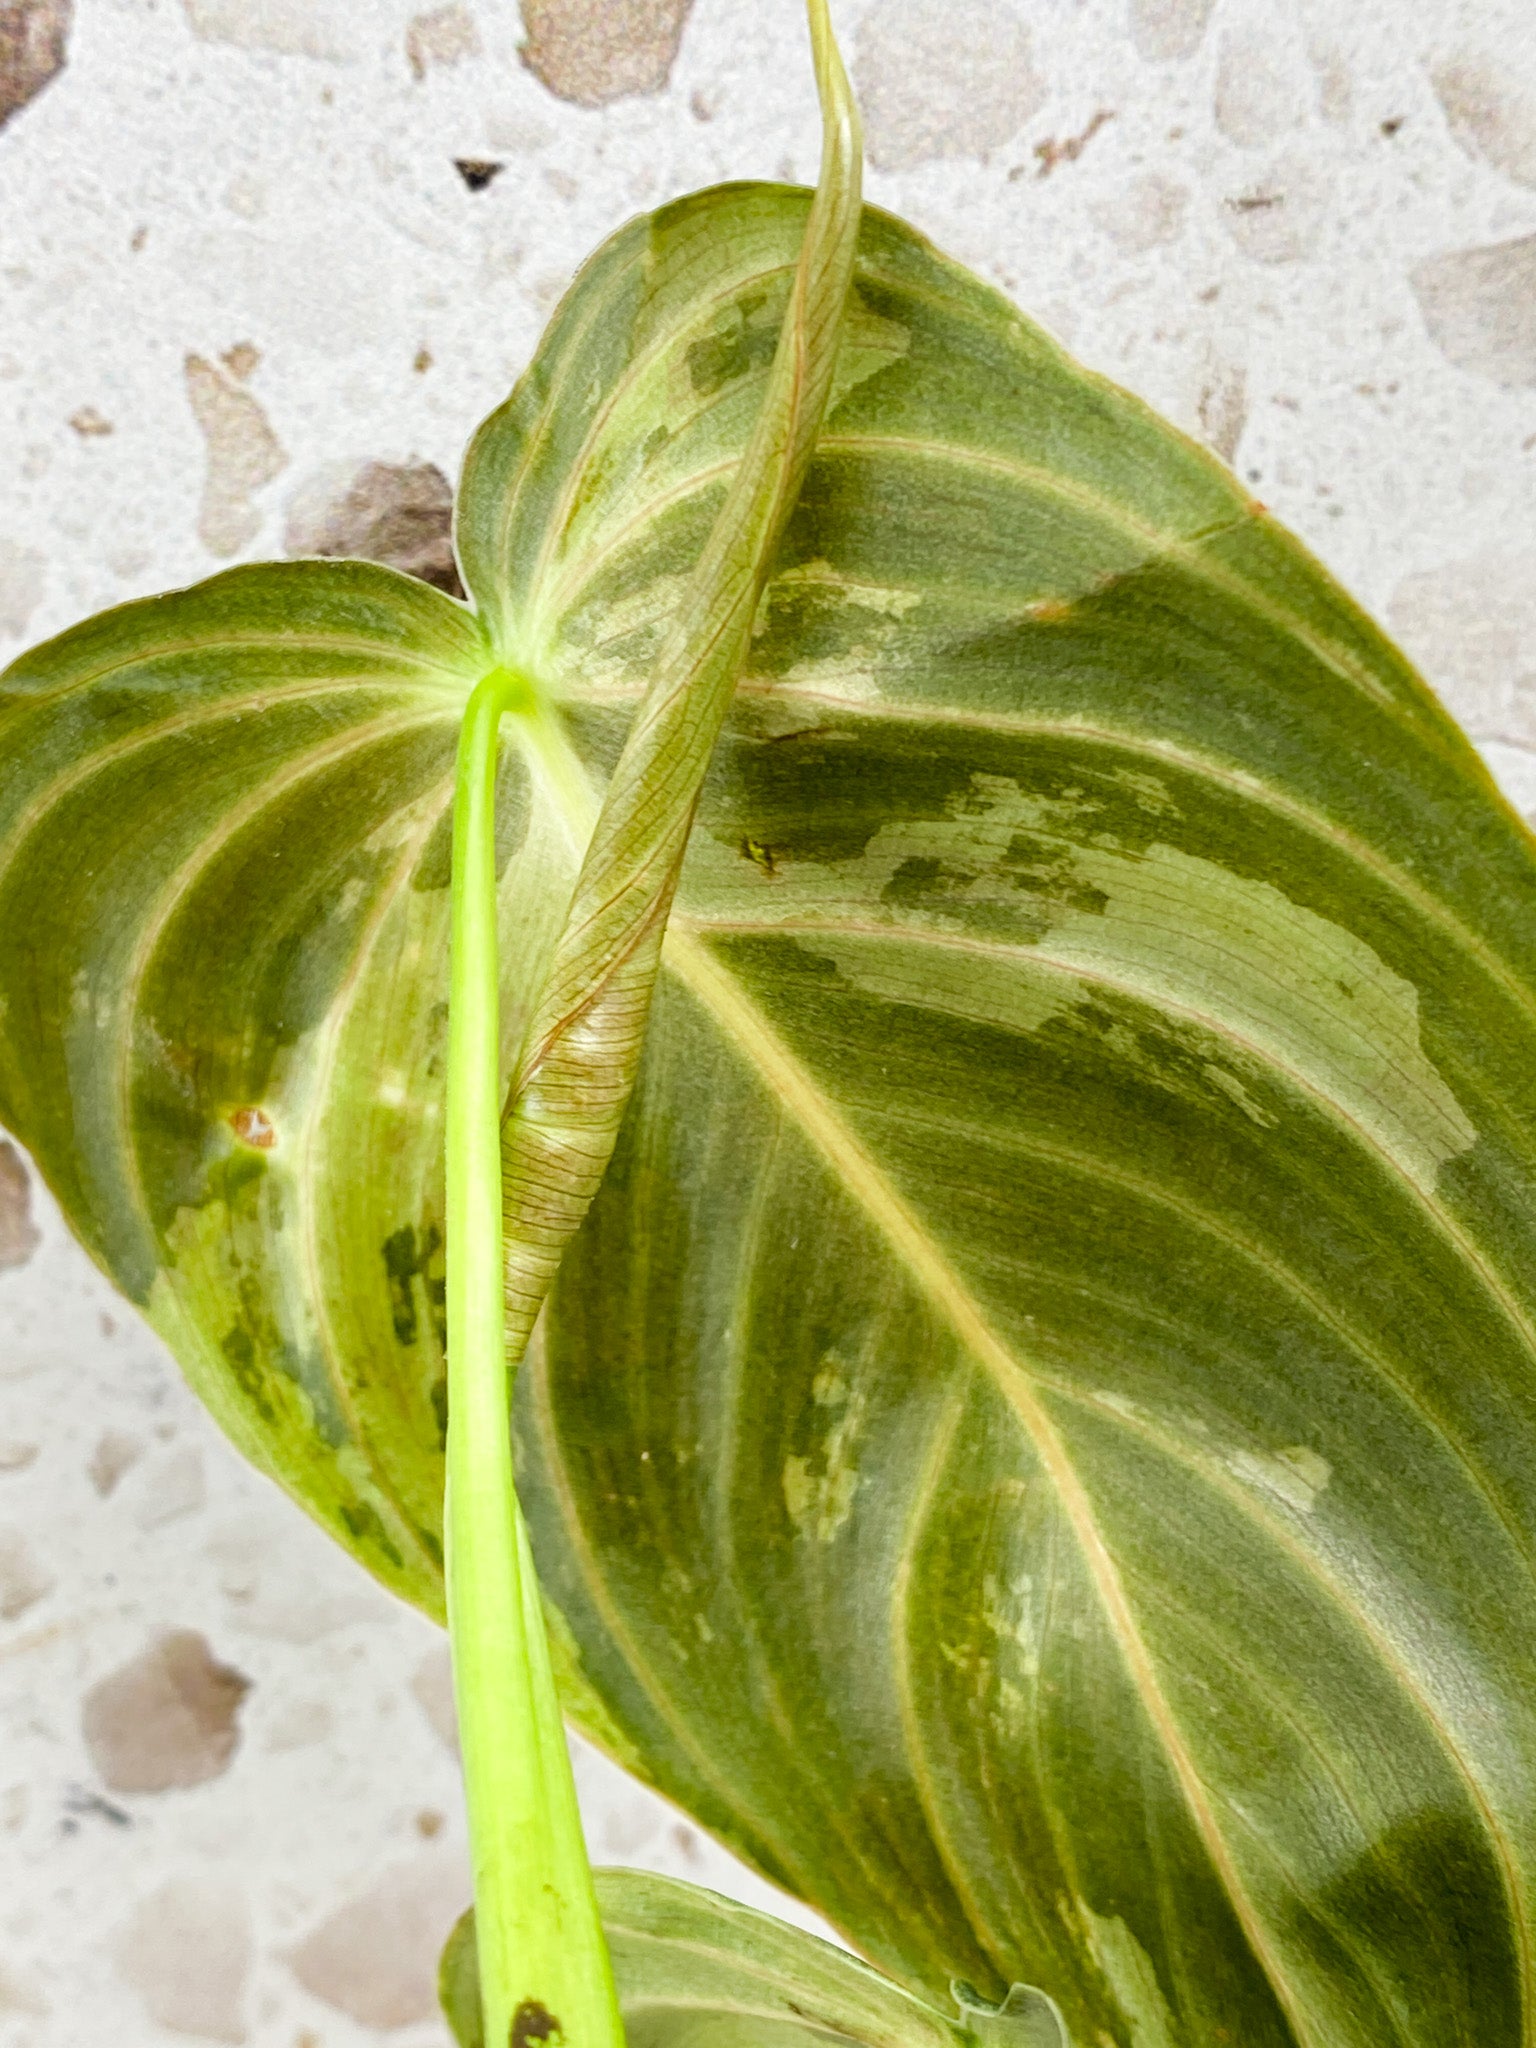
1036	1442
698	1971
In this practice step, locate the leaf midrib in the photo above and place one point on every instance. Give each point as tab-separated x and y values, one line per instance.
766	1053
861	1177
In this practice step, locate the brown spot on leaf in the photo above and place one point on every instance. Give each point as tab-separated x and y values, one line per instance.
1480	308
243	454
18	1233
167	1719
89	424
943	78
187	1952
34	38
397	514
376	1957
447	35
594	51
252	1126
534	2022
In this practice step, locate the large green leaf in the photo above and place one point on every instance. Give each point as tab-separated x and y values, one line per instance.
1035	1442
697	1971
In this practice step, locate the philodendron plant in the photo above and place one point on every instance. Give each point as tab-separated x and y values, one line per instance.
981	1019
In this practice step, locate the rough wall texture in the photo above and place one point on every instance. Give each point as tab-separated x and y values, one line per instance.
251	281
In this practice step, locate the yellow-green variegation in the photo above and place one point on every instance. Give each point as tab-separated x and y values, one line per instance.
1036	1440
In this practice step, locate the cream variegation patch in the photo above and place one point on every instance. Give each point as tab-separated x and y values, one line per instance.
1025	908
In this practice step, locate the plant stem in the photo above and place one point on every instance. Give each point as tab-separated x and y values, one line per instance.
544	1968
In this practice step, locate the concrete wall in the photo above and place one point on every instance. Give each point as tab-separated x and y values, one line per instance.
247	299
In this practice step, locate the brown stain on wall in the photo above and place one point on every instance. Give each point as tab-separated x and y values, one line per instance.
1480	308
1491	108
592	51
187	1950
444	36
376	1957
399	514
18	1233
34	41
167	1719
243	454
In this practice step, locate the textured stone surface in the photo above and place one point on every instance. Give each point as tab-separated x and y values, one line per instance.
116	1452
943	78
446	35
18	1233
186	1950
376	1957
1169	28
594	51
1472	625
167	1720
242	452
1149	214
1480	307
269	186
24	1578
22	578
289	28
1490	102
34	40
397	513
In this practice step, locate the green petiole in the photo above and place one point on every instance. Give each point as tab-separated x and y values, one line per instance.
544	1969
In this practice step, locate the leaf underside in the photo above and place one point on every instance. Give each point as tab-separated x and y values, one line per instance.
1034	1443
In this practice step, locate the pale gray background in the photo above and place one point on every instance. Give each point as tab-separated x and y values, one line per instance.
236	266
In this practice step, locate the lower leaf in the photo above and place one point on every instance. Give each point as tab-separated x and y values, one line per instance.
692	1966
